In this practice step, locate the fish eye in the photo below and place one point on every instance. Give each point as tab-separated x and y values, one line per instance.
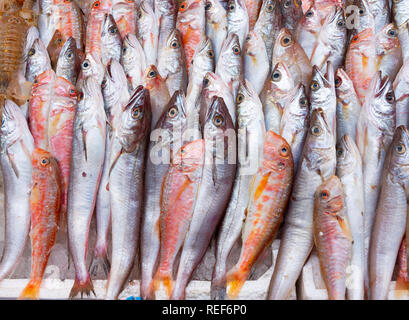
218	120
361	11
96	4
103	83
324	194
270	8
80	96
136	113
182	6
139	14
239	98
210	54
286	41
355	38
59	40
44	161
316	130
124	50
338	82
113	29
392	32
341	23
287	4
175	44
236	50
232	6
152	74
85	65
31	52
315	85
173	112
309	13
303	101
208	5
70	55
340	152
390	97
206	82
73	92
276	76
400	148
284	151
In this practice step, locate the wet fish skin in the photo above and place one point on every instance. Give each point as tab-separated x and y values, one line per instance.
255	60
275	94
250	138
172	63
349	171
400	12
125	15
230	64
111	41
400	87
127	162
181	183
317	164
38	60
237	19
88	151
348	105
148	32
216	25
133	59
390	222
308	30
375	127
291	11
403	34
68	64
381	13
268	24
17	144
168	137
45	202
214	192
332	236
167	11
294	122
269	194
253	9
91	67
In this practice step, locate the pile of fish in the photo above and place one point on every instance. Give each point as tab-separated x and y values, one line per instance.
183	123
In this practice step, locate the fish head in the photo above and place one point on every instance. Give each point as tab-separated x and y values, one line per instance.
132	51
214	11
44	78
343	84
277	153
248	104
322	85
335	21
362	39
291	9
69	58
217	122
173	117
100	6
311	20
399	154
348	155
330	196
298	102
64	88
187	6
110	33
203	58
11	120
253	43
92	67
381	97
387	38
284	43
280	79
37	59
135	120
152	78
113	82
236	8
43	163
231	48
174	41
55	46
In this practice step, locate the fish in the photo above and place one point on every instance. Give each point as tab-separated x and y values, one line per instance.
61	116
331	42
269	24
287	50
202	63
253	9
391	216
325	6
275	94
348	105
127	163
158	92
148	32
308	30
91	67
191	24
38	60
381	12
402	280
31	36
166	11
349	171
291	11
172	63
360	61
364	18
255	60
54	47
322	94
87	159
388	51
332	236
214	191
166	140
133	60
42	94
125	16
374	133
400	12
251	133
216	25
213	85
316	165
95	20
180	185
270	191
403	35
229	67
237	20
400	87
111	41
17	145
45	203
294	122
116	96
68	63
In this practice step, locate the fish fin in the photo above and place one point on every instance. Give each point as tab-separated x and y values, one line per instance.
31	291
235	281
344	225
82	287
12	163
100	260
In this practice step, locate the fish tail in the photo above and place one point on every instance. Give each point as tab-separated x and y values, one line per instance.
82	287
31	291
165	280
100	258
235	281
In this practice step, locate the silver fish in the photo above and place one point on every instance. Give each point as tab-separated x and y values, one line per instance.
237	20
401	87
38	60
68	64
111	41
133	59
216	25
148	32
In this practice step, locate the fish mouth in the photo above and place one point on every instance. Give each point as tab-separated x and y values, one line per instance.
382	84
321	117
217	103
178	99
402	135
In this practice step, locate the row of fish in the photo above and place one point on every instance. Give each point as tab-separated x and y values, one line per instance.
177	124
